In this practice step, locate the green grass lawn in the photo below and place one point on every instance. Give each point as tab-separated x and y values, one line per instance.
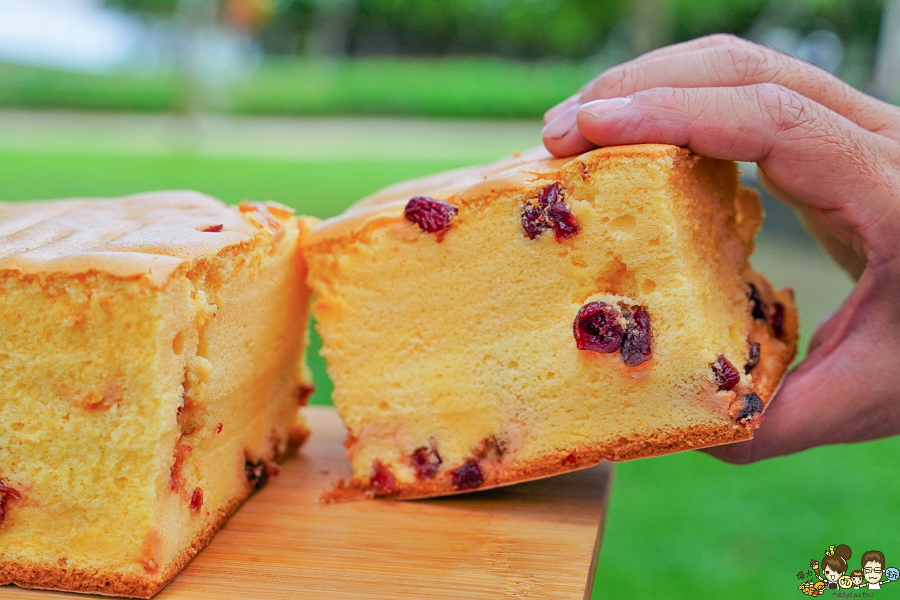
450	87
681	526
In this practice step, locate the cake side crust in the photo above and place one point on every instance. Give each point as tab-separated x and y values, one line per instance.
36	576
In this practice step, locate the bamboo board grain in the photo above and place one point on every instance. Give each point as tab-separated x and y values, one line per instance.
533	540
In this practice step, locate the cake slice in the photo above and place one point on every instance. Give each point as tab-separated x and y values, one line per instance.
497	324
151	367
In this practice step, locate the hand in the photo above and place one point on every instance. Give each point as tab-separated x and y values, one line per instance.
825	148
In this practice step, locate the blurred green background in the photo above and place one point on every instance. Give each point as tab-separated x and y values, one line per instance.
317	103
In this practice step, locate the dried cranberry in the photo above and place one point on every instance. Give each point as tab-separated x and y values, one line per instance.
212	229
219	428
534	221
597	328
381	480
197	500
551	210
753	405
259	473
303	394
431	215
564	223
5	493
571	458
777	320
550	194
757	306
638	337
726	375
752	357
467	476
426	461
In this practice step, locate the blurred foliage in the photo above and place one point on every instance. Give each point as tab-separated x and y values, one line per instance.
524	29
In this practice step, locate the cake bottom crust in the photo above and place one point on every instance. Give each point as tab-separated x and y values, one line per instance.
625	448
38	576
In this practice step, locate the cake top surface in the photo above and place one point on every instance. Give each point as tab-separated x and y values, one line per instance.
517	170
149	235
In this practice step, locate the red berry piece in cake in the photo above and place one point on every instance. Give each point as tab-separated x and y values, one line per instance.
757	306
259	473
197	500
551	211
426	461
637	342
176	479
752	408
430	214
5	494
303	394
534	221
212	229
752	357
467	476
777	320
725	374
381	481
550	194
598	328
564	223
571	458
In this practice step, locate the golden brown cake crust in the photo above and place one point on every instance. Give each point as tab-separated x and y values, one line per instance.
149	235
40	577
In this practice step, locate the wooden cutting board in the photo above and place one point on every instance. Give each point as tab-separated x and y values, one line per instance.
533	540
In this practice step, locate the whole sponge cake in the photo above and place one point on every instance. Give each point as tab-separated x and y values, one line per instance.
492	325
151	367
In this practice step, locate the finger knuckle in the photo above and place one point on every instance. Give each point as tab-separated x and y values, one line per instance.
722	39
611	82
750	63
786	109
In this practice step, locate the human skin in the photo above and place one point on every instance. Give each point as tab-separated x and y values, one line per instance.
828	150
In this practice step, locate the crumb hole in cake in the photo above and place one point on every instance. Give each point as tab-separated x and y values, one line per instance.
653	242
384	405
62	561
512	365
648	286
604	220
178	343
17	426
616	279
623	224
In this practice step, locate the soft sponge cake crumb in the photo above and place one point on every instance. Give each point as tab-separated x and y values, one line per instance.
151	362
452	347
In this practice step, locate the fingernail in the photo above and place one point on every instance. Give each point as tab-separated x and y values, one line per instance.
562	124
601	107
561	107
